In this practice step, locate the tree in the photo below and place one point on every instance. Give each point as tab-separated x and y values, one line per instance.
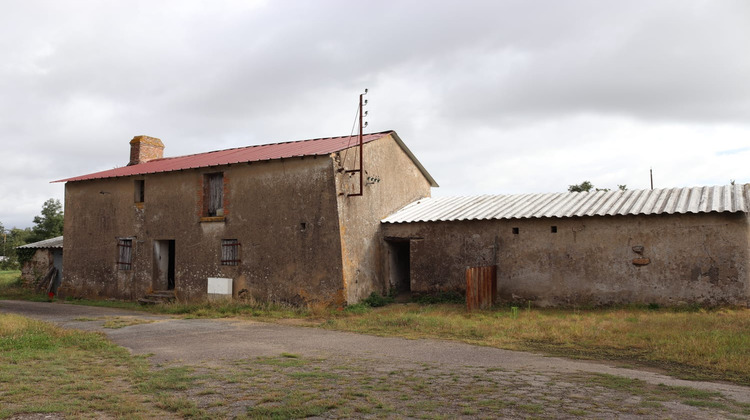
50	223
12	239
587	186
584	186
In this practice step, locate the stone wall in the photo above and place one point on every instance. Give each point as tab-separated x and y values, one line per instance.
663	259
283	213
391	182
35	268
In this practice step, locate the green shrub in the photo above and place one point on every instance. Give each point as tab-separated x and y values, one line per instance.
375	300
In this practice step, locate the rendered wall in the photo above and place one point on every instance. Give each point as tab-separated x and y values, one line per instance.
282	212
394	181
593	260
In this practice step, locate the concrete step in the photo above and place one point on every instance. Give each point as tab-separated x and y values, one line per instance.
157	297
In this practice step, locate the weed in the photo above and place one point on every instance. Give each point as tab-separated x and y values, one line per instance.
440	297
703	403
376	300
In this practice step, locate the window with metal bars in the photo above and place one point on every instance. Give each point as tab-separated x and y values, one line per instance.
230	252
124	254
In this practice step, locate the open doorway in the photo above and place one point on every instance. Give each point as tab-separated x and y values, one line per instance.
164	264
400	266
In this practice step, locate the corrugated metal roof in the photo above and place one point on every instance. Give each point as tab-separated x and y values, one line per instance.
47	243
314	147
729	198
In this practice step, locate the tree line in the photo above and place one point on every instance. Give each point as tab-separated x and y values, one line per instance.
48	224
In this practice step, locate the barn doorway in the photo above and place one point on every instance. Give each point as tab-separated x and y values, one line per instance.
164	264
399	251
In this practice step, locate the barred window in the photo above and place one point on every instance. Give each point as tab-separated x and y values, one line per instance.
124	254
230	252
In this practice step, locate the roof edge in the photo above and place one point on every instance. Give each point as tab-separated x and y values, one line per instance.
414	159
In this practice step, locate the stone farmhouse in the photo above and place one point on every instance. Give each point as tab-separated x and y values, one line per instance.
285	221
309	221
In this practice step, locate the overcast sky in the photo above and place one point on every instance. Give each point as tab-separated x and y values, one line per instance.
493	96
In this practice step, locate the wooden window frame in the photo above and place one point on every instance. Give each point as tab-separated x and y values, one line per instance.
124	254
213	194
139	191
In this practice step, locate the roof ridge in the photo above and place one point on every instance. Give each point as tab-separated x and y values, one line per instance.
267	144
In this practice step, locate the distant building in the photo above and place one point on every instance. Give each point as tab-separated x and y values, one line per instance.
47	259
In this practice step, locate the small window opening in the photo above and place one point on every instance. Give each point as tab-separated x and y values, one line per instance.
124	254
553	229
230	252
140	190
515	231
303	226
213	194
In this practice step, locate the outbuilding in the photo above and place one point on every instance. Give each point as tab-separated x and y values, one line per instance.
662	246
44	264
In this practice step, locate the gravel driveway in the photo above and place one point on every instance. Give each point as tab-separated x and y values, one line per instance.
557	387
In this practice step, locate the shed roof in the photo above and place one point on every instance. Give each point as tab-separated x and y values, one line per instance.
728	198
263	152
47	243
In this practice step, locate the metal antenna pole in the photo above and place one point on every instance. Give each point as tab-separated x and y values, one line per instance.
361	162
651	174
362	125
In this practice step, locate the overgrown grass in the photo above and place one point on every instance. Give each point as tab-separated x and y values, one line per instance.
689	342
702	344
45	369
12	288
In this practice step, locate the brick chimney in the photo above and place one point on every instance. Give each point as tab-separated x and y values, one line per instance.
144	149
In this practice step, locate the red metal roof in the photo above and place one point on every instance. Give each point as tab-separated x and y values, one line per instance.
314	147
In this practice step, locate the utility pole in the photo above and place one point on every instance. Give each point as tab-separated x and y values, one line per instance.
362	125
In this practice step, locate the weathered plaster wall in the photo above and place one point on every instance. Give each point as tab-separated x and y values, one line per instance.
34	269
394	181
96	213
282	212
691	258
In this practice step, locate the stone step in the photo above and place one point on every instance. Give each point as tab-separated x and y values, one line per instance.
158	296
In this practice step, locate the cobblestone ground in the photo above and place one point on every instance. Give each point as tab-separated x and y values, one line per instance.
292	386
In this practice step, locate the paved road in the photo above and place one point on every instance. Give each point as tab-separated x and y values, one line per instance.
206	341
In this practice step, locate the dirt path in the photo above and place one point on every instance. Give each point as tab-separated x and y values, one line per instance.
448	372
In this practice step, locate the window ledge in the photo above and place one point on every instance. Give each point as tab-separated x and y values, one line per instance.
139	205
212	219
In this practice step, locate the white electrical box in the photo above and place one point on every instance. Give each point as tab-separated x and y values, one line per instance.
219	287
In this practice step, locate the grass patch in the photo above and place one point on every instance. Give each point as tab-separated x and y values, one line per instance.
11	287
121	322
702	344
45	369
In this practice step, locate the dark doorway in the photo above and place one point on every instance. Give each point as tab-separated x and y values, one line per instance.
164	264
400	266
170	268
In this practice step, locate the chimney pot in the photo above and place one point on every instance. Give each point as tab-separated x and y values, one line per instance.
144	149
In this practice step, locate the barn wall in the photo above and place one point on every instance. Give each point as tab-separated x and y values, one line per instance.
394	181
34	269
283	213
686	258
